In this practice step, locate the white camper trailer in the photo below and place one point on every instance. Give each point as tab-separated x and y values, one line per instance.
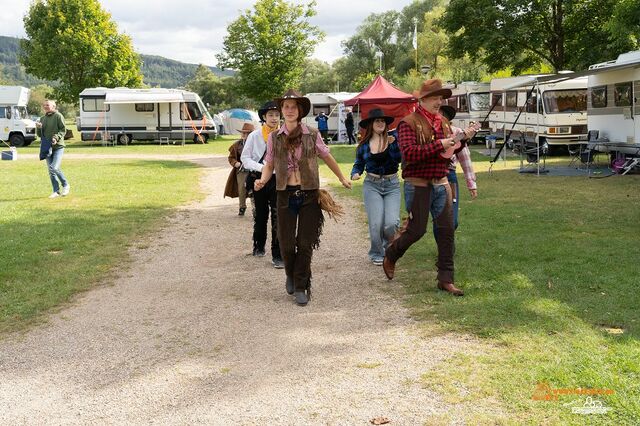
614	105
123	115
15	125
332	104
555	113
471	101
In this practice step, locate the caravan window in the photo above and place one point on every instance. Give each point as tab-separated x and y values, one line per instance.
462	106
479	101
3	112
20	112
317	109
511	101
192	111
531	105
496	99
565	101
622	94
144	107
599	97
94	105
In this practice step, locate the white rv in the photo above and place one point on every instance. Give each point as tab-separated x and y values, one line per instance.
471	101
614	105
15	125
554	114
332	104
123	115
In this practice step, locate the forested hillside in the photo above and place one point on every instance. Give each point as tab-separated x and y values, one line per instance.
158	71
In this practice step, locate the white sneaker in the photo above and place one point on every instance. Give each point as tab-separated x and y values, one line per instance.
54	195
65	190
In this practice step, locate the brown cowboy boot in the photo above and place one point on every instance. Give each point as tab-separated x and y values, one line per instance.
450	288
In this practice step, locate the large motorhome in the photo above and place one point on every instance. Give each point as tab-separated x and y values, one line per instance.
471	101
332	105
124	115
555	113
15	125
613	106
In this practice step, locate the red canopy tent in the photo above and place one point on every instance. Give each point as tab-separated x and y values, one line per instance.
384	95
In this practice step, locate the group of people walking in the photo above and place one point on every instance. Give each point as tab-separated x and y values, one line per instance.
283	155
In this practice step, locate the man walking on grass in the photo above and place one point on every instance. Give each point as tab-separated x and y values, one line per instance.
51	129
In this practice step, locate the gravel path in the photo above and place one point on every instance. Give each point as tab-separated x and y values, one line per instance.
196	331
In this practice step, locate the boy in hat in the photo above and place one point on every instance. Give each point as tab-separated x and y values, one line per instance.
423	136
264	200
235	186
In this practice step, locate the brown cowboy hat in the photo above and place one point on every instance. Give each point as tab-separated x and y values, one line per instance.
432	87
246	128
305	103
448	111
374	114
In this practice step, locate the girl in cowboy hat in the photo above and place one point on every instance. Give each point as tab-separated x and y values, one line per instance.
292	152
379	155
238	175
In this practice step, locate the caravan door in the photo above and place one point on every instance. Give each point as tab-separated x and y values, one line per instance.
165	119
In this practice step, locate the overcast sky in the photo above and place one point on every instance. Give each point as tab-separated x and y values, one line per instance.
193	31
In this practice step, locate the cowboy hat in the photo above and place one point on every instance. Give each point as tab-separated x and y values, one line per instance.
270	105
374	114
432	87
305	103
246	128
448	111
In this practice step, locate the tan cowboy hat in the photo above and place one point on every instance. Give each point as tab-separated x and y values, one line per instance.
301	100
246	128
432	87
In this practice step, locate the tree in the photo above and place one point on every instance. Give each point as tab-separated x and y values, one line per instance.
218	93
3	79
520	33
269	47
76	43
318	77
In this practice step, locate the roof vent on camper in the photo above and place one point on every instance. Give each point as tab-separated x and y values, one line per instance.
628	57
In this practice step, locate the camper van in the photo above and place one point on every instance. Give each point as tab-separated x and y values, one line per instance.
123	115
15	125
471	101
613	107
554	114
332	105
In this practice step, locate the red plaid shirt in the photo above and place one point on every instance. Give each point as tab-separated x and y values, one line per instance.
422	161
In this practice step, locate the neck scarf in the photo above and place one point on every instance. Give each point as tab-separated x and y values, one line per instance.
434	119
265	131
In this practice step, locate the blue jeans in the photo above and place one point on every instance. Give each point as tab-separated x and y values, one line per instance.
382	203
53	163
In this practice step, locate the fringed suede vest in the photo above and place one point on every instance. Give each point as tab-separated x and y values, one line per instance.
424	132
308	164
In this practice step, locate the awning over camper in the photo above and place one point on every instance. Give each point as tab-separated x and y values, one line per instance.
133	97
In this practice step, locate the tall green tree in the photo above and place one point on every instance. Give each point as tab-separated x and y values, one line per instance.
76	43
318	77
269	45
520	33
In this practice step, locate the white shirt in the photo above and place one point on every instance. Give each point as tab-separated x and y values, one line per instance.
254	148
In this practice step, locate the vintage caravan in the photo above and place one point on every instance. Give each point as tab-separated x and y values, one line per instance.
16	128
555	113
614	107
332	104
123	115
471	101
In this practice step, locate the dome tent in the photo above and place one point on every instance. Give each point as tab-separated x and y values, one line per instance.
233	119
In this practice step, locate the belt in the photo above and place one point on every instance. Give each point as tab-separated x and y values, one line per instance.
295	190
415	181
373	175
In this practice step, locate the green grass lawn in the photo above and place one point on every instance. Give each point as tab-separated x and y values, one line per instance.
51	249
550	270
75	145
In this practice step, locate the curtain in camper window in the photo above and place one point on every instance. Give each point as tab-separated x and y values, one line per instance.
479	101
565	101
192	108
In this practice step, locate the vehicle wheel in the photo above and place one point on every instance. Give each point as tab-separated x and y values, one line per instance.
16	140
124	139
202	138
